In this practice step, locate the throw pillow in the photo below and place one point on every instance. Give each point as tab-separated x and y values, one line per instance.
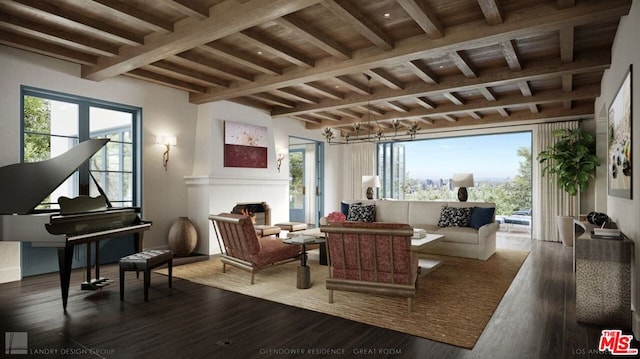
454	217
362	212
481	216
344	207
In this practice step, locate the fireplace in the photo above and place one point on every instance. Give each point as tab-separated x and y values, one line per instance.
261	211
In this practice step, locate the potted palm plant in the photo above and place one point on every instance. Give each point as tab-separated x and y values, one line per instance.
572	161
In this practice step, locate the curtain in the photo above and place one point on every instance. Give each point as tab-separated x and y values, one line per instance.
549	200
363	163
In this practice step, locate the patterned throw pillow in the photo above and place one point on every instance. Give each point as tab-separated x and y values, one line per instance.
455	217
362	213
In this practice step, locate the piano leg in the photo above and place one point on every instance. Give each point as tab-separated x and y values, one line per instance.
65	258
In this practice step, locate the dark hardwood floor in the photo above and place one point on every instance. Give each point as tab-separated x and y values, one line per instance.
535	319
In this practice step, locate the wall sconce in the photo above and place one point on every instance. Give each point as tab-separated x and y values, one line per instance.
282	153
370	182
168	141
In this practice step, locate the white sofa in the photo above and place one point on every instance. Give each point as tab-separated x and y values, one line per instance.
466	242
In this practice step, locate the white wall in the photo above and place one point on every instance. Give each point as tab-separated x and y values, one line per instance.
625	212
165	111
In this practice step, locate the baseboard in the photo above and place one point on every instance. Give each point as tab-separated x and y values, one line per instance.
635	325
10	274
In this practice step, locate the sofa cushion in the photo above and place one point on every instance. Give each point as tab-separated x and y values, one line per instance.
454	217
427	212
465	235
362	213
481	216
392	211
344	207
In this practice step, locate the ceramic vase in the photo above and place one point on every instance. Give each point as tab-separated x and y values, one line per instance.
183	237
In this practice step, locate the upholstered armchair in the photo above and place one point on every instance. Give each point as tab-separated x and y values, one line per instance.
371	258
242	248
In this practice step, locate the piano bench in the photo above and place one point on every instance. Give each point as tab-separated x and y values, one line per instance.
145	261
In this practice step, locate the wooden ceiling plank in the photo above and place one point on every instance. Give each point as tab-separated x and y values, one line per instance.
353	85
534	108
563	4
232	55
426	120
165	81
491	11
325	91
475	115
220	68
184	9
385	78
566	44
225	19
328	116
423	17
525	88
510	55
260	40
196	75
348	113
463	64
487	93
541	18
398	106
503	112
422	71
450	118
68	15
298	95
135	15
75	40
454	98
345	10
424	102
315	36
307	119
273	100
45	48
542	97
534	71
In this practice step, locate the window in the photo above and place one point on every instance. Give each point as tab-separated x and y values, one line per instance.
52	123
423	169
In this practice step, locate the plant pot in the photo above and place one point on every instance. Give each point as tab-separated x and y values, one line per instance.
565	230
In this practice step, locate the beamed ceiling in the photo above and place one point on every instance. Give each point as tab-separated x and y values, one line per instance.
438	63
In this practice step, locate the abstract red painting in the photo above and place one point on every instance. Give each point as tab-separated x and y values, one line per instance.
245	145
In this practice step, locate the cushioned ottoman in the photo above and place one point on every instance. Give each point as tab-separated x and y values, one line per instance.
292	226
145	261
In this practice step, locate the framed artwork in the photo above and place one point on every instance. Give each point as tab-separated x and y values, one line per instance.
619	156
245	145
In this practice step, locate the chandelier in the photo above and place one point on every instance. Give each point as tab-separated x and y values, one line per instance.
374	131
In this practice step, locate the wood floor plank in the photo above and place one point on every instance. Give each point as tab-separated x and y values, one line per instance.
536	319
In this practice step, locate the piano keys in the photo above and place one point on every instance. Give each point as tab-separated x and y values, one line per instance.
82	220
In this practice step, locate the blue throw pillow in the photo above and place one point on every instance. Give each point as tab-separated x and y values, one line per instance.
481	216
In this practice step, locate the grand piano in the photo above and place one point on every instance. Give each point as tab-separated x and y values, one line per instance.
81	220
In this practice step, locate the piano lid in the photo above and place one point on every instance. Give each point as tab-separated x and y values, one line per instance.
24	185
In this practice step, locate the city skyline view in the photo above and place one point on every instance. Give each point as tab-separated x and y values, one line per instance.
486	156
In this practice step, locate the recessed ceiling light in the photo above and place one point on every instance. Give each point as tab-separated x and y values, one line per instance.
259	52
386	15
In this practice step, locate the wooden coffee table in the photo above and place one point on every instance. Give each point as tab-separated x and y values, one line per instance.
426	265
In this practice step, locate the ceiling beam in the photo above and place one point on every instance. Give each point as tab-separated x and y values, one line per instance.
423	17
543	18
491	11
345	10
286	53
225	19
482	105
315	36
535	71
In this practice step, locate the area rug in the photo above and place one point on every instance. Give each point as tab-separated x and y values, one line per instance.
453	304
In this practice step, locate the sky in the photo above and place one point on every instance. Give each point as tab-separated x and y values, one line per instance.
485	156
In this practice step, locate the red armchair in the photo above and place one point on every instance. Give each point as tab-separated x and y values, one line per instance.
241	247
371	258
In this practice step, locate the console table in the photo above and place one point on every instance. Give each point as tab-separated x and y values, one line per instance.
603	279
